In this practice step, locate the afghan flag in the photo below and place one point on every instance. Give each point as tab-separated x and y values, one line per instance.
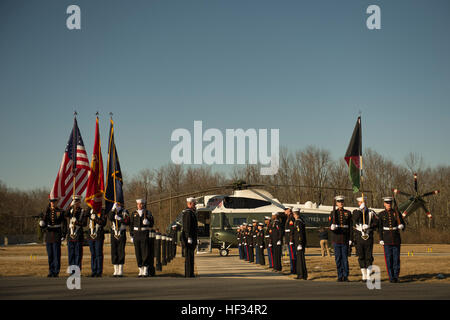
114	192
353	156
96	185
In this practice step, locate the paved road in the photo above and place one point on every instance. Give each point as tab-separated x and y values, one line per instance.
219	278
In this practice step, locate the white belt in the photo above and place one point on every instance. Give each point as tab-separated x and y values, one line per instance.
158	237
343	226
55	226
122	227
266	236
287	230
142	229
386	228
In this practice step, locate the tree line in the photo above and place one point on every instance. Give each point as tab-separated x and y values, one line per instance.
304	175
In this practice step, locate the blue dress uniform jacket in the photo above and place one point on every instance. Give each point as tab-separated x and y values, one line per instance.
342	218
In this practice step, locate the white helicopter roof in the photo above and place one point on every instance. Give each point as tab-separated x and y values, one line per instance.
214	203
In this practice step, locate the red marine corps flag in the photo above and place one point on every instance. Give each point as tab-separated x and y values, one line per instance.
95	184
73	172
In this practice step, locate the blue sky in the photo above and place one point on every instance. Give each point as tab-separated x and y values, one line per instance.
305	67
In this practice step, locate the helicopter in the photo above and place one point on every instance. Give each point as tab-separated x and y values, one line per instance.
415	201
220	215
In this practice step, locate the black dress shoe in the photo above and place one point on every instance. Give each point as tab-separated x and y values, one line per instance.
340	279
50	275
93	275
346	279
98	275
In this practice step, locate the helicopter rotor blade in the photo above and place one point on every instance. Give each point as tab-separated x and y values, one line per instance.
430	193
279	205
415	182
428	213
406	211
396	191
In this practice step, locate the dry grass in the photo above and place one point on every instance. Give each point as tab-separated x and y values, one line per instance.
32	261
412	268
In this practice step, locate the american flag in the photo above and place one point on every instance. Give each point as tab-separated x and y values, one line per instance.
63	187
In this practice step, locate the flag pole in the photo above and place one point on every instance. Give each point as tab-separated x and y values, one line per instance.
114	170
74	144
361	167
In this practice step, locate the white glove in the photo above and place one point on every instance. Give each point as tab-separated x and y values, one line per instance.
145	221
117	217
270	245
365	227
92	216
71	225
72	203
279	243
190	240
115	206
62	238
299	247
333	227
261	247
362	206
291	243
401	226
132	240
42	223
382	242
350	242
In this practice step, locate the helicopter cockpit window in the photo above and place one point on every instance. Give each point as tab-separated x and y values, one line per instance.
244	203
239	221
215	220
226	222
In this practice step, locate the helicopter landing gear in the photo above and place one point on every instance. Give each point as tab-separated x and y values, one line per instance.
223	251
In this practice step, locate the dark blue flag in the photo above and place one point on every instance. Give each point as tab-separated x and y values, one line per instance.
113	192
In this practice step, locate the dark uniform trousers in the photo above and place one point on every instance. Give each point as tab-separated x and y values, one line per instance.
290	247
118	248
96	247
341	259
392	257
140	241
270	256
189	260
301	270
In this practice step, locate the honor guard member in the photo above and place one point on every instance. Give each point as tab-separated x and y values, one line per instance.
390	222
77	220
341	228
267	240
174	236
260	244
276	237
238	238
96	238
141	221
151	252
244	241
254	234
163	250
189	236
54	224
120	219
288	228
364	223
298	237
158	250
249	240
